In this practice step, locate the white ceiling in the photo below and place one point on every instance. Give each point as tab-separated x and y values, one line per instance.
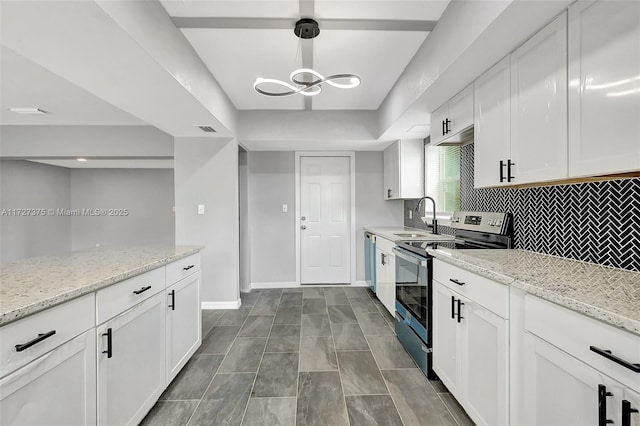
237	56
26	84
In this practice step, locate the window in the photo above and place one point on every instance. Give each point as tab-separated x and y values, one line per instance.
442	178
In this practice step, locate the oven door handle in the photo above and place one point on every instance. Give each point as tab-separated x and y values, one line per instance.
419	261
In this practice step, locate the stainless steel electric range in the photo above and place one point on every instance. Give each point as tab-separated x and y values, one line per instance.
414	325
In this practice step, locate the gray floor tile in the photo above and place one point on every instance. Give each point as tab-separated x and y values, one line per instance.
317	354
288	315
170	413
389	353
372	410
456	410
314	306
438	386
225	401
257	326
209	319
335	296
348	337
360	374
250	298
373	324
278	375
266	305
315	325
320	400
234	316
416	400
270	411
272	292
313	293
244	355
194	378
284	338
291	299
341	314
386	315
363	305
356	292
292	290
219	340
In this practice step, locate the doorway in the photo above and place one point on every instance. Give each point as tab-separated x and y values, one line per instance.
325	218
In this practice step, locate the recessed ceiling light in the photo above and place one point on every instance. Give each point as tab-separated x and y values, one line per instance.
420	128
81	159
28	111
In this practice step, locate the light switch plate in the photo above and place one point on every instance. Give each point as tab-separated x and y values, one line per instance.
200	208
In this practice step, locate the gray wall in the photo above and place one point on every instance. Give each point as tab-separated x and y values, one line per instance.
148	194
24	184
272	233
206	172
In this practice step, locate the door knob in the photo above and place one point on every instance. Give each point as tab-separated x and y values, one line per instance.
303	227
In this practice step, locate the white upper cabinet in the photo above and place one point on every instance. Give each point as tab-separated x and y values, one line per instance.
492	127
404	170
452	117
604	87
539	106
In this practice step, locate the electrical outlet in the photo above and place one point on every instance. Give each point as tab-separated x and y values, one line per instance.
285	208
410	214
200	208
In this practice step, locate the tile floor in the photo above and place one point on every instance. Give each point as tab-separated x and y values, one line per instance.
314	356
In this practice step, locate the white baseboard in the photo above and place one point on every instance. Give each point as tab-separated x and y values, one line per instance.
220	305
359	284
285	284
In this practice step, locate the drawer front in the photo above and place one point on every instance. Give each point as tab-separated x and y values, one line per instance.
115	299
67	321
576	333
182	268
385	245
489	294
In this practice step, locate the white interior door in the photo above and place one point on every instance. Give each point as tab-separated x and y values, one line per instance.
325	214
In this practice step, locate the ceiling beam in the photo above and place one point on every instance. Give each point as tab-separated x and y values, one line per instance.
286	24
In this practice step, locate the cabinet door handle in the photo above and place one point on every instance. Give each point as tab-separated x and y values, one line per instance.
453	280
602	406
460	304
447	122
388	193
453	307
444	128
173	300
607	354
109	350
383	259
509	164
502	171
627	410
186	268
41	336
142	290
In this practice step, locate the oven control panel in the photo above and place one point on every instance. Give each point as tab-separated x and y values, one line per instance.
489	222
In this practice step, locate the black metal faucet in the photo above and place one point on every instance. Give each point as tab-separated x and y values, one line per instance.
434	222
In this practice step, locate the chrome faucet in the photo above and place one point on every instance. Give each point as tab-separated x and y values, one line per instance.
434	222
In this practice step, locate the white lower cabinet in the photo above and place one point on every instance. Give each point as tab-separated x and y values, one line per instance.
131	362
183	323
59	388
471	354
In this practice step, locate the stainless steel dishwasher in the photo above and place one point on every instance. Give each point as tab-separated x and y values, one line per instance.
370	260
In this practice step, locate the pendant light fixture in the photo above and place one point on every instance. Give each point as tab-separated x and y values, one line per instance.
306	81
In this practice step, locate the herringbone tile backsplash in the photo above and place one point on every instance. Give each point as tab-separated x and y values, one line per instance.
597	222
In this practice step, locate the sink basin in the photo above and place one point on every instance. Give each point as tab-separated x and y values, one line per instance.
410	235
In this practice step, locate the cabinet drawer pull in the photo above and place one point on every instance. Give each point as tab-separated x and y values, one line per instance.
626	413
109	350
607	354
186	268
142	290
502	170
509	164
453	280
173	300
460	304
602	406
453	307
447	129
40	338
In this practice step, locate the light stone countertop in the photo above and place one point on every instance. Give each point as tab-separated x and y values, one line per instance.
608	294
31	285
389	233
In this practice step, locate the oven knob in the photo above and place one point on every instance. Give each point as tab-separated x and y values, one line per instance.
499	222
490	222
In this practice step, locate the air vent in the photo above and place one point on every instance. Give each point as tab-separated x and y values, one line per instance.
207	129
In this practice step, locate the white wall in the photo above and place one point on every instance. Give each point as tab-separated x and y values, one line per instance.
27	185
272	233
147	194
206	172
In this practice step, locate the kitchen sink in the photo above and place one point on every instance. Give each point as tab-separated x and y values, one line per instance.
410	235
